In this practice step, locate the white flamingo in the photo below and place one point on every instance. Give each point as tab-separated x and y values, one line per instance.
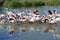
56	17
34	16
52	17
11	17
22	17
2	19
32	19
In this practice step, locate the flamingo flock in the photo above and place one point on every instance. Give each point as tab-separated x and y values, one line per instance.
33	16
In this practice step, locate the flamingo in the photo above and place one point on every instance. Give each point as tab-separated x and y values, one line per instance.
52	17
2	18
22	17
35	13
32	19
11	17
45	19
56	17
34	16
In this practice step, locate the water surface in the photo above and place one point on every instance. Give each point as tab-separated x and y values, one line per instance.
34	31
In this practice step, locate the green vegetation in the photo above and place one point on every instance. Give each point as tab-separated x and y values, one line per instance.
18	4
28	3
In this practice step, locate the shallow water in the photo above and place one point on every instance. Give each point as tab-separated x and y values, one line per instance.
34	31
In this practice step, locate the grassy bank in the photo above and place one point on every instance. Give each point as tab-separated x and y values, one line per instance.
15	4
28	3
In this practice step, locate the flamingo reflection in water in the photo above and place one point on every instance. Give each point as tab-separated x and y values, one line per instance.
57	35
49	28
2	26
12	28
29	28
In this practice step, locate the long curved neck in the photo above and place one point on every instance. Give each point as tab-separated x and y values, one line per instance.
21	15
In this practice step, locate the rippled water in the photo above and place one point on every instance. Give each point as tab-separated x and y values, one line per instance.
31	31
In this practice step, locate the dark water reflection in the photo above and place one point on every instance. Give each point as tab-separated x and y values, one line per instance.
34	31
